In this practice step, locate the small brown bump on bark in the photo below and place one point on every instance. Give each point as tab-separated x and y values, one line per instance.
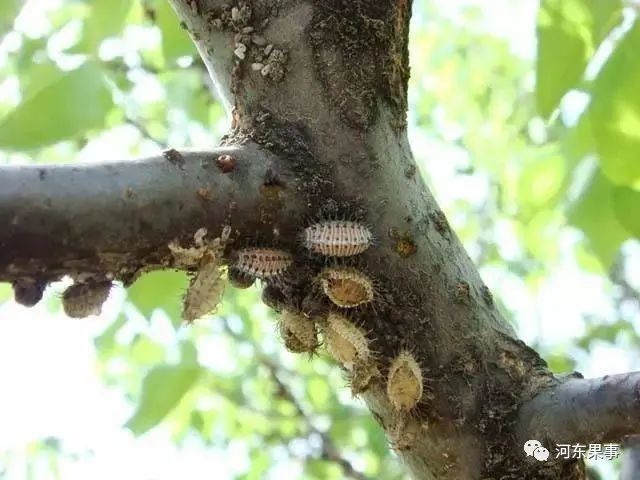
462	292
28	291
406	247
226	163
203	192
410	171
440	221
487	296
173	156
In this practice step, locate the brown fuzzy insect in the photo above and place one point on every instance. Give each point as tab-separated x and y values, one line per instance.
83	299
262	262
348	345
298	332
345	341
346	287
404	382
337	238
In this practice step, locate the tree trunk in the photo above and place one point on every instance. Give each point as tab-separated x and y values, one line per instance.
318	96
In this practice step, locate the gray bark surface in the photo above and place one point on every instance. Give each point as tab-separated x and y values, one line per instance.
322	134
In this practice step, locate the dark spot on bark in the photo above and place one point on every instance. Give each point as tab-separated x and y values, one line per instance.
42	173
226	163
486	295
203	192
271	192
410	171
362	57
28	291
461	294
406	247
175	157
440	222
128	193
183	25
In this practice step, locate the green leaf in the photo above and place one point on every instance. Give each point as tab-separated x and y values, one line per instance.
6	292
160	289
594	214
626	203
569	31
162	389
70	104
9	9
106	18
106	339
175	40
615	111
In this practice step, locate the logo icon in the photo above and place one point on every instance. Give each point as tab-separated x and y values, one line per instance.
535	449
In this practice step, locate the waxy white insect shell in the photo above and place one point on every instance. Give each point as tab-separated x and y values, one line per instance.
337	238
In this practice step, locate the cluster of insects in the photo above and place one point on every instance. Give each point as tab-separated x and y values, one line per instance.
346	288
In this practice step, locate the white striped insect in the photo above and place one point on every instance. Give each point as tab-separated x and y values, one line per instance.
346	287
262	262
404	382
337	238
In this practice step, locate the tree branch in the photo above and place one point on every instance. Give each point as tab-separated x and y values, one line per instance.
631	459
116	218
329	451
583	411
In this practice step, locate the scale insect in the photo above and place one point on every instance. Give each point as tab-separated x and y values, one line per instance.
346	287
85	298
337	238
205	290
298	332
264	263
207	285
345	342
404	382
348	344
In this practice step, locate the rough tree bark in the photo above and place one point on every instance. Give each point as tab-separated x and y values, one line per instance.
317	92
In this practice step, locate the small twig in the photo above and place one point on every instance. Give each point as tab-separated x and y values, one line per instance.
144	131
584	410
329	450
618	277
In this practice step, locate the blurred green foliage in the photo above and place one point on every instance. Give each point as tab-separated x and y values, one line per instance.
544	163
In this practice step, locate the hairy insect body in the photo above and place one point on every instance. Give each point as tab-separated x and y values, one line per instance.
336	238
83	299
262	263
346	287
404	382
298	332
